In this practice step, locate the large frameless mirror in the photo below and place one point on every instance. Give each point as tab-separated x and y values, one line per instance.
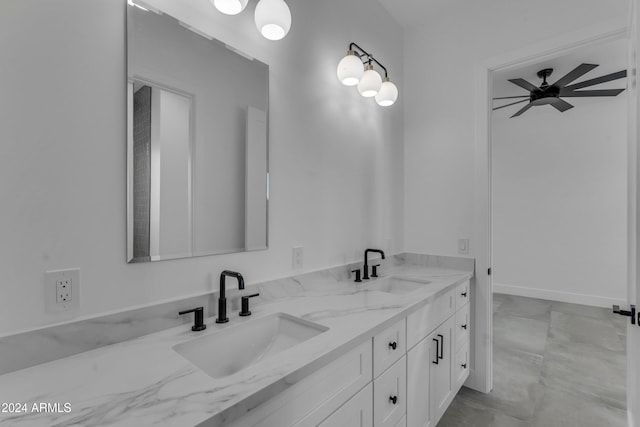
197	143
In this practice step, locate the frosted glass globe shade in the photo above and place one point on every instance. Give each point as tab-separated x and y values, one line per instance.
350	69
273	19
370	83
388	93
230	7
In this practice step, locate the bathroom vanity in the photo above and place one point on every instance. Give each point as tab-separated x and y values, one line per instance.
318	349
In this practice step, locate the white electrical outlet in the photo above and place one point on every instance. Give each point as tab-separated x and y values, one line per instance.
463	246
62	290
297	257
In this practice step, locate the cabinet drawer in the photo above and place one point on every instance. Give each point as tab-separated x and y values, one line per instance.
312	399
422	322
389	395
463	294
462	326
388	346
357	412
461	367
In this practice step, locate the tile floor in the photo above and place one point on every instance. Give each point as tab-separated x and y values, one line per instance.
555	364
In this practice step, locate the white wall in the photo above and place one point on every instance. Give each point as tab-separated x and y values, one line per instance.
439	122
335	158
560	201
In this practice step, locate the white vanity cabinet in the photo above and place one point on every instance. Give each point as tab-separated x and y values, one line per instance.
437	364
357	412
310	401
405	375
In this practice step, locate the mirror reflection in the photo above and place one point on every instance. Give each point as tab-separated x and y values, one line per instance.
197	143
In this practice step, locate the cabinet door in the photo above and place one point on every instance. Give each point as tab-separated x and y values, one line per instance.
462	326
461	366
357	412
442	372
388	347
419	361
389	399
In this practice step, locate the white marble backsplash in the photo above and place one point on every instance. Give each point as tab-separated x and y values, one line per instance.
51	343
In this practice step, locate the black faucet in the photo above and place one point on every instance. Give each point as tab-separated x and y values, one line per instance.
222	300
365	269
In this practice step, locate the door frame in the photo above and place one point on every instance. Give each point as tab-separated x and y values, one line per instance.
481	377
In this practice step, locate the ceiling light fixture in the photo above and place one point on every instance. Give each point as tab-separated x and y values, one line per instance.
273	19
356	68
230	7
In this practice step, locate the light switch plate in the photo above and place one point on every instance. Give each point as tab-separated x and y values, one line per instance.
62	290
297	257
463	246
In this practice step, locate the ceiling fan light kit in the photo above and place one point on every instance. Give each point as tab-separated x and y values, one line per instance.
356	69
552	94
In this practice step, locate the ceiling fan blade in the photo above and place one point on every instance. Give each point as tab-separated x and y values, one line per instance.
583	93
513	103
561	105
510	97
523	84
603	79
522	110
577	72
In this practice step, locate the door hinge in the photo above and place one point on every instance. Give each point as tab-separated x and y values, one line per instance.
631	313
489	271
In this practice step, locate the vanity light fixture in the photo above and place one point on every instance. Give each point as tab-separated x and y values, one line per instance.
356	68
272	17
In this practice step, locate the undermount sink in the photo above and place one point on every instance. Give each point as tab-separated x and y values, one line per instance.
233	349
397	285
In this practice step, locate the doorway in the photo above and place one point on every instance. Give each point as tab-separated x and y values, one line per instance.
483	308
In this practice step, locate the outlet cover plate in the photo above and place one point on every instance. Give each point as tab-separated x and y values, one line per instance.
62	290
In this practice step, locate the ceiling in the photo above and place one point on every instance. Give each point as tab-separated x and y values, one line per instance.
611	57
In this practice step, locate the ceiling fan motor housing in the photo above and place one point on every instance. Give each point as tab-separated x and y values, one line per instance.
544	96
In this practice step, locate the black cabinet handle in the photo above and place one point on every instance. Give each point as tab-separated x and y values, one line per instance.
393	345
437	351
463	326
464	366
441	355
393	399
464	294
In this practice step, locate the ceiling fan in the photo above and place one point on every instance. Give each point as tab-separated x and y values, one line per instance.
552	95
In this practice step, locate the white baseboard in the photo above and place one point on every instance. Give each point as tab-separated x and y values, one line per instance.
593	300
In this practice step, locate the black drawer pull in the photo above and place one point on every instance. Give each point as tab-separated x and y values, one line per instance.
464	366
437	351
463	326
393	345
393	399
464	294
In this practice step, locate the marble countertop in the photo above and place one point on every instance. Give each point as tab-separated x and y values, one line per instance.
144	382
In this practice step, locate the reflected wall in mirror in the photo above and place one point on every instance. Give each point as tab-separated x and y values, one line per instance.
197	146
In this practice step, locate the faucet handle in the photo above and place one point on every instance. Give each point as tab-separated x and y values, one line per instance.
244	311
358	278
198	318
374	269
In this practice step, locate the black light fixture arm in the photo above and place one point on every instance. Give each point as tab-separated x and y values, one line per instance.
369	57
